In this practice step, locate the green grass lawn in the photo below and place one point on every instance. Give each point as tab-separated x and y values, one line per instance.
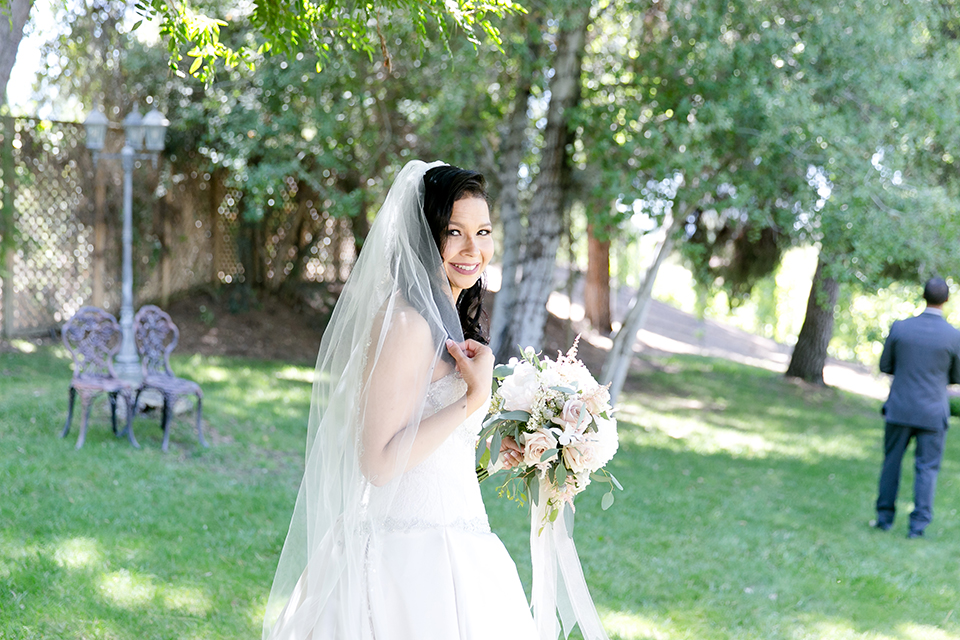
744	513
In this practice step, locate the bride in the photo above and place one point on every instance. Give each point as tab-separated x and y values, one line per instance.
389	538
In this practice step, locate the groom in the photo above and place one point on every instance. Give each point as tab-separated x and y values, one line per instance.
923	354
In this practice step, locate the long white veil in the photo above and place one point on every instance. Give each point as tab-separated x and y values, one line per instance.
321	589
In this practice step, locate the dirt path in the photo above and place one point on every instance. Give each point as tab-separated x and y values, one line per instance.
669	330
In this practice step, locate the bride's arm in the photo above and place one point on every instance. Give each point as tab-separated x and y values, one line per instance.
397	384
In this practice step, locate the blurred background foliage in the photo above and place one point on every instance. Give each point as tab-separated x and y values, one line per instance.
771	127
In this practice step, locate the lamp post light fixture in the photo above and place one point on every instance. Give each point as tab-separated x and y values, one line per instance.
136	128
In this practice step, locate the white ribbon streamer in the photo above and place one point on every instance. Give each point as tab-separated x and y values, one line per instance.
562	591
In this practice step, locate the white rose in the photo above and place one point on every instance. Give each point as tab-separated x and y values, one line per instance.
519	389
550	377
606	440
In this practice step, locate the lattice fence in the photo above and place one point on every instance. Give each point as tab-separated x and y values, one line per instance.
66	219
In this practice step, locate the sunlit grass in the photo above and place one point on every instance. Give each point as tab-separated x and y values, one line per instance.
112	542
745	515
744	512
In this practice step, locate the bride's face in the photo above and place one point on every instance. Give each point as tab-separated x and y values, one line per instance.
468	245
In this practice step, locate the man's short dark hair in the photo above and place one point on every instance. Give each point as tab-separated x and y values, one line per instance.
936	291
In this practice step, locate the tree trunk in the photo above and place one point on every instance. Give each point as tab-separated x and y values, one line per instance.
596	291
621	353
545	219
511	155
510	158
13	17
810	353
7	229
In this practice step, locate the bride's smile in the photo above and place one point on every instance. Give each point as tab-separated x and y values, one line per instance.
468	245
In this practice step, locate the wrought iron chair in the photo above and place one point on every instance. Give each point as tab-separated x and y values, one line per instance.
93	337
156	336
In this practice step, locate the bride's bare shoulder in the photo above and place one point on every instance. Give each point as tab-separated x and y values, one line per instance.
402	328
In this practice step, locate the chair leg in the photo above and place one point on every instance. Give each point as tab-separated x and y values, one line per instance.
87	404
199	414
131	414
72	396
165	420
128	430
113	411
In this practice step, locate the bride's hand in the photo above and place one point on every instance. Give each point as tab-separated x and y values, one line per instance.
475	364
510	454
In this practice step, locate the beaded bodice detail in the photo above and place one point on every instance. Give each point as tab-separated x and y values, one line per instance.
442	491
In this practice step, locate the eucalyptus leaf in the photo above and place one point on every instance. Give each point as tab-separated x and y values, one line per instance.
521	416
501	371
607	501
483	455
561	474
495	447
614	481
569	390
533	484
548	453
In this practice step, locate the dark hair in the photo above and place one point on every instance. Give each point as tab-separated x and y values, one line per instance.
442	186
936	291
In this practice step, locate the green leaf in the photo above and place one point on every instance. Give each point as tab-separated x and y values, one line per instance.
497	418
495	447
607	501
482	452
521	416
501	371
614	480
548	453
561	474
533	486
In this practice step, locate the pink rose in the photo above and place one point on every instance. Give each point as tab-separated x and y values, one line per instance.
580	456
535	445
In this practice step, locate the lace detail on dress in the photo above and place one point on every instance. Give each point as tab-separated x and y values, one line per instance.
402	525
438	393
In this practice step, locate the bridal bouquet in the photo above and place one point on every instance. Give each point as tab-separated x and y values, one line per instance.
560	417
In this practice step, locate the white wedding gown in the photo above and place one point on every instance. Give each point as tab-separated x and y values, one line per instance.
441	573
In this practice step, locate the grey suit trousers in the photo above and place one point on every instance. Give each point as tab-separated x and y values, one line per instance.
926	463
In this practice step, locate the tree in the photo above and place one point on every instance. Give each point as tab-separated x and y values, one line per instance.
889	192
683	113
319	28
527	317
13	18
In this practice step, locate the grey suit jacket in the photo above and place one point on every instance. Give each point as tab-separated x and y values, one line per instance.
923	354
